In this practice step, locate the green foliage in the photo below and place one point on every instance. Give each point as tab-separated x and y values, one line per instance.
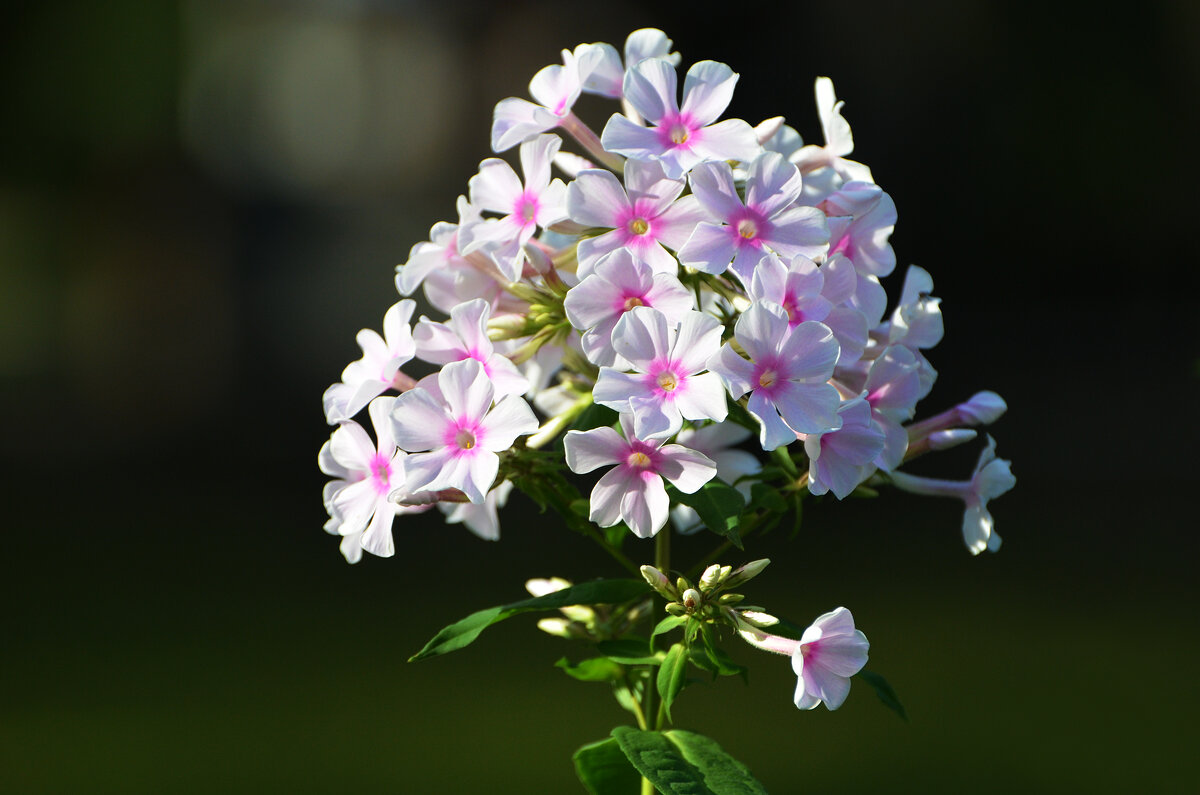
719	505
604	769
672	676
628	651
764	497
885	692
684	763
721	663
464	632
596	669
667	624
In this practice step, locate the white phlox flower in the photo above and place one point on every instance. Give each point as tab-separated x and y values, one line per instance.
525	205
840	460
839	141
365	474
829	652
618	284
379	368
681	135
455	436
768	219
633	492
717	441
667	384
787	374
466	337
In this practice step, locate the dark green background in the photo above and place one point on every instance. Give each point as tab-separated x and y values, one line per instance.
174	303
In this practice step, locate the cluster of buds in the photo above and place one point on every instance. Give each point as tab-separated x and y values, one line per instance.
711	599
689	270
586	622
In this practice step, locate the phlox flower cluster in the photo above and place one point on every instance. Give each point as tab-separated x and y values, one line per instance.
718	284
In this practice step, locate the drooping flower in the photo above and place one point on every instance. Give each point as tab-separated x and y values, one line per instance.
681	136
991	478
787	374
461	430
633	490
379	368
829	652
768	219
667	385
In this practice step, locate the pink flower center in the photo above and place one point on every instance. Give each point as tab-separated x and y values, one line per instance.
678	133
526	209
767	378
465	439
381	471
791	305
632	301
667	381
747	229
639	226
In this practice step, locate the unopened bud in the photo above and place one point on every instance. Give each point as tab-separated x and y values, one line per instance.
676	609
983	408
659	582
711	577
758	618
559	627
539	260
746	573
692	599
730	598
682	584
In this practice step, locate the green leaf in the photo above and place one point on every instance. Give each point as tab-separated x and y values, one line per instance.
721	661
767	498
595	416
719	505
684	763
885	692
605	770
672	676
627	651
596	669
667	624
464	632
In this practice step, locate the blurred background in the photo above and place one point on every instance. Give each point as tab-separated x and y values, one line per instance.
202	202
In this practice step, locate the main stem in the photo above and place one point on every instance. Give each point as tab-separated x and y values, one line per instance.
662	562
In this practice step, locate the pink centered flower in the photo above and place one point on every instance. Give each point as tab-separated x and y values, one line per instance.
462	431
633	490
681	136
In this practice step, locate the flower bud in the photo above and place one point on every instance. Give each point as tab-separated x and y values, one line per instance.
730	598
711	578
676	609
682	584
983	408
659	582
692	599
559	627
758	618
747	572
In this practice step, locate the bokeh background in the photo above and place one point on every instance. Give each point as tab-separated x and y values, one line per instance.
202	202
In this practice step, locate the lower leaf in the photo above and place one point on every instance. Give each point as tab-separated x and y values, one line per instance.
604	769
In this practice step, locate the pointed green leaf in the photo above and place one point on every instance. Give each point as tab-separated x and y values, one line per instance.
719	506
667	624
464	632
721	661
604	769
684	763
627	651
672	676
767	498
885	692
596	669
